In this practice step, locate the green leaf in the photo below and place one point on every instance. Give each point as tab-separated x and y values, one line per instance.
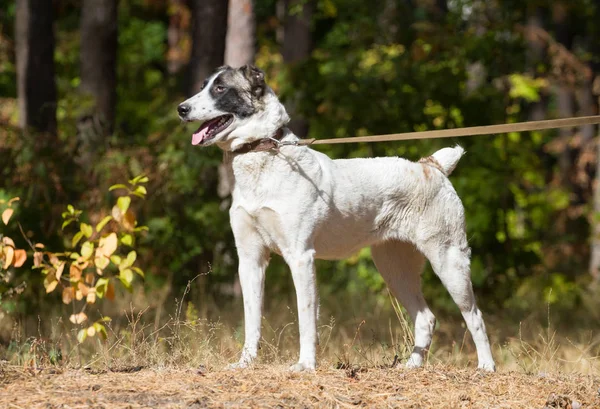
116	260
123	203
101	286
117	186
74	255
86	229
128	262
66	223
127	239
138	271
103	223
87	250
126	275
71	209
78	236
82	335
100	329
141	228
139	179
141	190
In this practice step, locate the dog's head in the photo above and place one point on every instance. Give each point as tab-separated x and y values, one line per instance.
235	106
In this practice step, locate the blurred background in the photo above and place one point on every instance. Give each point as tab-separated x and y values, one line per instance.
88	97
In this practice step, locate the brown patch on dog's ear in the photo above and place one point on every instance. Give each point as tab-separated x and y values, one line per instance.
256	78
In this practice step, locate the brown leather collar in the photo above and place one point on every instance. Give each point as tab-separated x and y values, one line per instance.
261	145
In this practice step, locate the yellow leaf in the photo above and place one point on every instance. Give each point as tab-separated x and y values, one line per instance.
87	250
51	286
68	294
39	246
91	331
91	297
14	199
83	288
78	318
38	257
9	253
6	215
116	214
101	261
59	270
129	220
20	257
74	273
108	244
8	241
78	295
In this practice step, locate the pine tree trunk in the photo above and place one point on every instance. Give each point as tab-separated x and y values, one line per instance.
99	59
209	28
35	65
241	29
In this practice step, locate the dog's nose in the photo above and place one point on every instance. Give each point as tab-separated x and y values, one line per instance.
184	109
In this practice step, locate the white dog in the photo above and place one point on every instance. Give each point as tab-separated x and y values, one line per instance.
300	204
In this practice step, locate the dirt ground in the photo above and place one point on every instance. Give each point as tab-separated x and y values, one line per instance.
274	387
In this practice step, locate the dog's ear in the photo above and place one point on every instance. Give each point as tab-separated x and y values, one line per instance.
256	78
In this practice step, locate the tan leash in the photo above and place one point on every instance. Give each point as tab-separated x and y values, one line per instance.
469	131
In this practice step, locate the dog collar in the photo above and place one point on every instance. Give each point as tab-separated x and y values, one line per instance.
262	145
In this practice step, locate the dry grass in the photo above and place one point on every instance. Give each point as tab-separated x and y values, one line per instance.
179	363
273	386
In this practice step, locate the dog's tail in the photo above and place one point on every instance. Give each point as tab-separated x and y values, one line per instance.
445	159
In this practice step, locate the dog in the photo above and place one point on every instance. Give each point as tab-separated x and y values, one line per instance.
299	203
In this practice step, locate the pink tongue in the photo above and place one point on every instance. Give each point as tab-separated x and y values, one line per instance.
199	136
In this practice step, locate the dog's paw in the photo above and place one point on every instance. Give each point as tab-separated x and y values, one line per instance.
238	365
415	361
302	367
487	366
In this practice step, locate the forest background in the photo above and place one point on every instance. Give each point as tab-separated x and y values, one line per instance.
88	97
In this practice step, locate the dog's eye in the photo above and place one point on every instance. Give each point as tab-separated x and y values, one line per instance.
219	89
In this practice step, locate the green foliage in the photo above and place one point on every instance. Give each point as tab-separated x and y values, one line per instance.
369	72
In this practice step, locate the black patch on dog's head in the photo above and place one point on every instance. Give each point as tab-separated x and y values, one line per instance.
256	79
238	91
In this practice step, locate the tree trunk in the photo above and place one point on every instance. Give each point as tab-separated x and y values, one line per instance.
209	28
239	51
241	28
595	82
35	65
99	59
297	33
565	95
296	47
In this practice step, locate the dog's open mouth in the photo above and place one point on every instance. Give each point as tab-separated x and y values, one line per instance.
211	128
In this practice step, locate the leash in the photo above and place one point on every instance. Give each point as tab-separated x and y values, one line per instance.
468	131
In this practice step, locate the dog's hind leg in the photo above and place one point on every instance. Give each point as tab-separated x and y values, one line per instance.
302	264
401	264
452	266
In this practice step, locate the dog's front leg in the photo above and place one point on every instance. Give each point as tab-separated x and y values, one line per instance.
253	260
303	272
